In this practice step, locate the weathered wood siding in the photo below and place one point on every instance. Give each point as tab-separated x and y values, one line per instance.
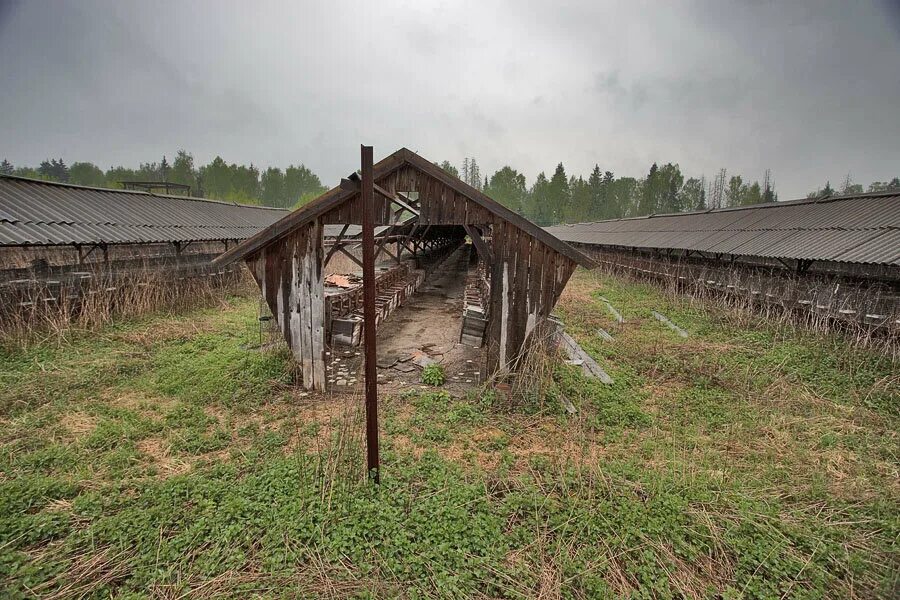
527	278
289	273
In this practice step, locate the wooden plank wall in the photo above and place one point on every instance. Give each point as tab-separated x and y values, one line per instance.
351	212
441	205
527	278
289	274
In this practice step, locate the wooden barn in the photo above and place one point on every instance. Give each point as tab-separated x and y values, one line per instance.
422	213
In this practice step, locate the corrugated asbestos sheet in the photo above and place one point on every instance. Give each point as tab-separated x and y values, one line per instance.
353	231
43	213
859	229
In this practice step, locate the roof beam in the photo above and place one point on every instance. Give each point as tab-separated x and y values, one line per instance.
354	185
336	196
479	243
343	250
337	245
396	199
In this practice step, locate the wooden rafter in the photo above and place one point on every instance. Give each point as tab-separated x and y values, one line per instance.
405	241
479	243
337	244
343	249
348	190
352	184
384	241
396	199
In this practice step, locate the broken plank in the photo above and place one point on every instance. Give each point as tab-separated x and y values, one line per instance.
662	318
612	309
581	358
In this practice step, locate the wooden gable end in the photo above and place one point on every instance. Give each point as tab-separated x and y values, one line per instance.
290	276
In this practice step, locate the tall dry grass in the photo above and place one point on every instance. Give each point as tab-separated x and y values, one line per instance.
41	311
779	302
529	379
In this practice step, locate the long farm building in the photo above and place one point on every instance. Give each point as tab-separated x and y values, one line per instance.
836	257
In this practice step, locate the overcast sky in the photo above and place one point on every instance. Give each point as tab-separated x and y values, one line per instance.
810	89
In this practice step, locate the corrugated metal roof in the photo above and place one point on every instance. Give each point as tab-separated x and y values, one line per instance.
45	213
863	228
883	248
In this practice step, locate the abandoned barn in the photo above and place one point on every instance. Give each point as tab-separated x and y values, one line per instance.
514	272
838	257
61	229
62	241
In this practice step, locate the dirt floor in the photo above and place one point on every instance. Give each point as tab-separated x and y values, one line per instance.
425	329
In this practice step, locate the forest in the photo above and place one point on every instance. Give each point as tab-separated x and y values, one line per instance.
560	198
569	199
219	180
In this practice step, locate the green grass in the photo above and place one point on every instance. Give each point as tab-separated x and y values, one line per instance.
166	456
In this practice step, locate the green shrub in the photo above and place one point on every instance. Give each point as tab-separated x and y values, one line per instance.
434	375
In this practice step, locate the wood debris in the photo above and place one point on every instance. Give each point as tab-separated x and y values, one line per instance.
662	318
578	357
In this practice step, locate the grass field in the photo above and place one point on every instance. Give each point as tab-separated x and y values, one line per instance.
162	457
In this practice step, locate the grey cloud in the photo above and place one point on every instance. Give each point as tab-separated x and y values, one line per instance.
806	88
633	96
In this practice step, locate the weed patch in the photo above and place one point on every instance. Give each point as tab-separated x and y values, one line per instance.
166	457
216	368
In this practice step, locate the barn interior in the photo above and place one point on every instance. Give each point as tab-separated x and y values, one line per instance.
422	278
430	310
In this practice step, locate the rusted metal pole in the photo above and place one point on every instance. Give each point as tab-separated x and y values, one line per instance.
367	196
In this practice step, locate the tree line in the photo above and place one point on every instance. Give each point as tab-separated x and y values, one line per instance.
564	198
849	187
561	198
247	184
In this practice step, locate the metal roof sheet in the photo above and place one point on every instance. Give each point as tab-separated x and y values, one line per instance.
863	228
725	241
884	248
816	244
38	213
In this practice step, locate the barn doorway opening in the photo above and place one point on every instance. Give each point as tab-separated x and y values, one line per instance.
428	326
427	329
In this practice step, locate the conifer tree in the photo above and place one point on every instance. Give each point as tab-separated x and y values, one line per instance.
768	190
559	195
